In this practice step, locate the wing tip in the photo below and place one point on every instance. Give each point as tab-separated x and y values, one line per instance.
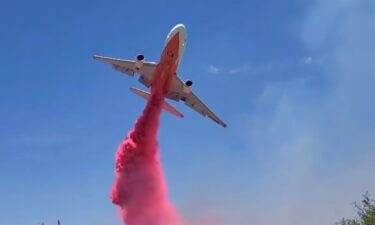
99	58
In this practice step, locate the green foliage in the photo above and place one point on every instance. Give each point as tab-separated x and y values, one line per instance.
365	211
348	222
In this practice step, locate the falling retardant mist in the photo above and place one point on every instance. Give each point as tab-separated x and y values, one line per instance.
140	189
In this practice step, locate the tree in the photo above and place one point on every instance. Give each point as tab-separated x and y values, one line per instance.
365	211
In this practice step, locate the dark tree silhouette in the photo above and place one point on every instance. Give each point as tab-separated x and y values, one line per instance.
365	211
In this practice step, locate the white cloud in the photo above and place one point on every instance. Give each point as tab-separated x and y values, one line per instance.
213	69
307	60
240	69
315	146
318	146
270	67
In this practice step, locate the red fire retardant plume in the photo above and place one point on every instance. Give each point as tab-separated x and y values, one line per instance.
140	189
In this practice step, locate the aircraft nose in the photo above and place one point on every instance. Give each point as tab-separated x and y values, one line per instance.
178	33
180	30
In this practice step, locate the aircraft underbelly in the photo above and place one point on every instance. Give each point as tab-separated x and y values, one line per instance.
175	90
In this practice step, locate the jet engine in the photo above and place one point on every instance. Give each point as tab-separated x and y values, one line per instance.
189	83
187	86
139	61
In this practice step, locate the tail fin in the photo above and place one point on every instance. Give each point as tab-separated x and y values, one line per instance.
166	106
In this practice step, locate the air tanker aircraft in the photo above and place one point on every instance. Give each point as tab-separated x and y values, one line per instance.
167	67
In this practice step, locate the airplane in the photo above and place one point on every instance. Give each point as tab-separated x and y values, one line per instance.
164	71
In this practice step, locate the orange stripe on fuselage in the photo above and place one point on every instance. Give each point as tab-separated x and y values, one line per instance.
167	67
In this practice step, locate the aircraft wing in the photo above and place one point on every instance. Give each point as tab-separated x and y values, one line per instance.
128	67
195	103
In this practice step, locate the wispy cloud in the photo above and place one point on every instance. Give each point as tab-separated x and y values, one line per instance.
213	69
308	60
240	69
263	68
315	148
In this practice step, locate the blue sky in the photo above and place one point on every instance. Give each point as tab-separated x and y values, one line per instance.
293	80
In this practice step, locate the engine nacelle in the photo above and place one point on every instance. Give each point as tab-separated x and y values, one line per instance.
139	61
187	86
189	83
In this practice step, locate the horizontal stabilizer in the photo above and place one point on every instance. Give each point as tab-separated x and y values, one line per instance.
167	107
